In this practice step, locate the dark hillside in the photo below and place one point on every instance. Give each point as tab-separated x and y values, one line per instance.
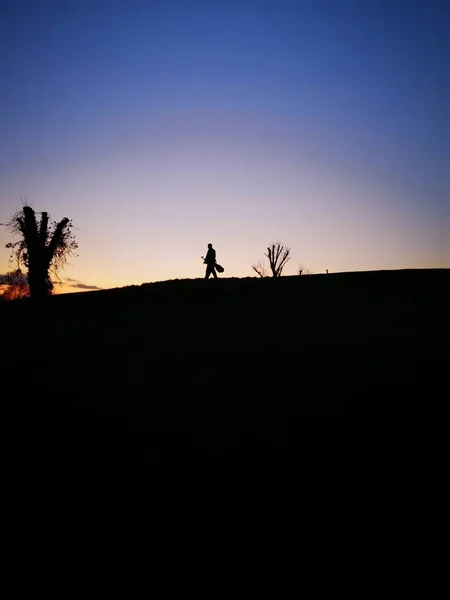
215	367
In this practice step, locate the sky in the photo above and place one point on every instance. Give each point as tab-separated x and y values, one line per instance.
160	126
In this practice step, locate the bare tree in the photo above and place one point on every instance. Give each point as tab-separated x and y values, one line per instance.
278	255
260	268
302	270
43	248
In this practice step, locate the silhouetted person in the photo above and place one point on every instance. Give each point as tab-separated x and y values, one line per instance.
210	262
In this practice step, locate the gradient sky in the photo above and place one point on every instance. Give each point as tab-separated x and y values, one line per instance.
159	126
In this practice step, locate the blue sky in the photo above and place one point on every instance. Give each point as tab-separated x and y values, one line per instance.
160	126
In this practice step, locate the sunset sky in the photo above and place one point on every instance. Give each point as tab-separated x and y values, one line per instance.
158	126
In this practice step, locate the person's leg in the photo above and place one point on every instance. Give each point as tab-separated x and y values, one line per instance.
214	273
208	271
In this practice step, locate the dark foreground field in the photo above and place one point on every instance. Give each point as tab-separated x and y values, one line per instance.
195	368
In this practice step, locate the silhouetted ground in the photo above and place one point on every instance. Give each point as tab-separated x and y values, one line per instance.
189	369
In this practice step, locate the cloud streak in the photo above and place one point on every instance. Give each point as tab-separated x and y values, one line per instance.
81	286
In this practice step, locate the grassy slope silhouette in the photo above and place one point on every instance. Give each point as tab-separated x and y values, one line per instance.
205	366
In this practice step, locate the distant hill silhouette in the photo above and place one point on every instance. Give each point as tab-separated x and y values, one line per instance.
194	367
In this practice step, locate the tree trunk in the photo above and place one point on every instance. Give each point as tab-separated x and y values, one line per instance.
38	276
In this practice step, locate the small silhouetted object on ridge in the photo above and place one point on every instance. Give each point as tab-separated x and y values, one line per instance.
211	265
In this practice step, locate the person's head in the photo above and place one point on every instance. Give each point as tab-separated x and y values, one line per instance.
209	245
